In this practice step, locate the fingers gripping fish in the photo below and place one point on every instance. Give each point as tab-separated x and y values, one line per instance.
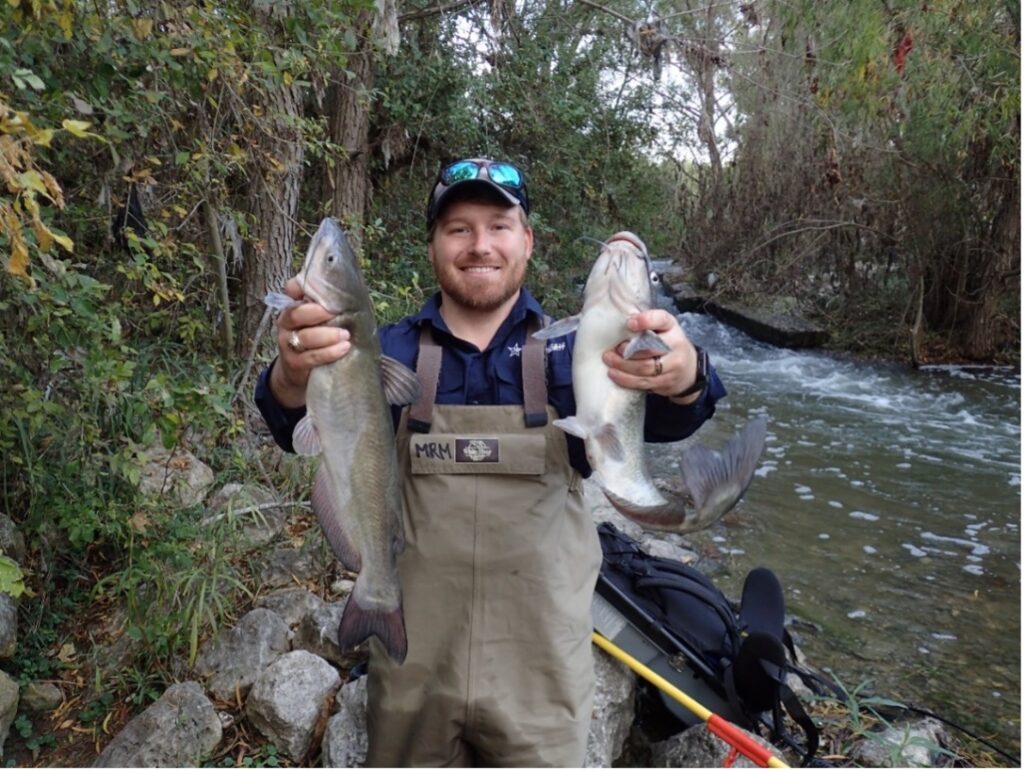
610	418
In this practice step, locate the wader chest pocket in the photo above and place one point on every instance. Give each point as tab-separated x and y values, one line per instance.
477	453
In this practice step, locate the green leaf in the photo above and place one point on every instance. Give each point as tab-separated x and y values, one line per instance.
12	580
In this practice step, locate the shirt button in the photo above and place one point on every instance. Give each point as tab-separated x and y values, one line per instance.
474	402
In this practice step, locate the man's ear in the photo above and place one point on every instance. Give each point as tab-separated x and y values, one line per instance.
529	242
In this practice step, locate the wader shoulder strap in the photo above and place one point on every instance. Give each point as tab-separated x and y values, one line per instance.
428	371
535	385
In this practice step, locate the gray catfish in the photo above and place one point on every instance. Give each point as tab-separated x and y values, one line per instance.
610	419
356	495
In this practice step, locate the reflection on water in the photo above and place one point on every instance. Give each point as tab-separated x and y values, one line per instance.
888	501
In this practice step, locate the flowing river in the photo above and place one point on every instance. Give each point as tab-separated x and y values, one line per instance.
888	503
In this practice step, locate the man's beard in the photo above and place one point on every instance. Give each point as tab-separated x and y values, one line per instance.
493	298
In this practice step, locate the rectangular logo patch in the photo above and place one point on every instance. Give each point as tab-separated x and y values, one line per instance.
476	450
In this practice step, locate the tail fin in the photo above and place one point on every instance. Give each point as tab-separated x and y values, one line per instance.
717	481
359	623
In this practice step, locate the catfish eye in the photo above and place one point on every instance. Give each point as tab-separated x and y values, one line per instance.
655	278
330	258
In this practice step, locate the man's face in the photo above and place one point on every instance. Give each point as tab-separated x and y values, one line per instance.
479	252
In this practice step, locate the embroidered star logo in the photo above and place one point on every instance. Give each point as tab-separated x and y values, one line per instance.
515	350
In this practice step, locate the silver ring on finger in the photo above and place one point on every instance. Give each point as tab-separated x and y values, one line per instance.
657	366
294	343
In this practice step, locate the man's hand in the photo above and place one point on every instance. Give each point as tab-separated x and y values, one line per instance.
318	344
665	373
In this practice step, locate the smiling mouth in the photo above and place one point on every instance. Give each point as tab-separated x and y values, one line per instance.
481	269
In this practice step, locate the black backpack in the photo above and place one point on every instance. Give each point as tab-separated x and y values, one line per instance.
733	660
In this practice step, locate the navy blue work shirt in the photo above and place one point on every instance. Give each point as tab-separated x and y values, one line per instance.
494	376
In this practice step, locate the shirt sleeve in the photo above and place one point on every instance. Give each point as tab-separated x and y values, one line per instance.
280	420
667	421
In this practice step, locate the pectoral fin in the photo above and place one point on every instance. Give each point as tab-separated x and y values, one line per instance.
559	328
279	301
571	425
647	341
400	383
305	438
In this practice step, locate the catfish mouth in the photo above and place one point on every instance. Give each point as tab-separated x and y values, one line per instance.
321	291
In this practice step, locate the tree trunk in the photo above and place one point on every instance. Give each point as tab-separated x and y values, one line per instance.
275	176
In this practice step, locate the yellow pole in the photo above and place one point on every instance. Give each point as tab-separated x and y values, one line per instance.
653	677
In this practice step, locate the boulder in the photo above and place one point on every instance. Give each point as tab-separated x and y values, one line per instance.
288	566
345	741
288	698
181	728
8	706
250	507
318	633
177	473
235	657
292	605
612	713
906	745
8	626
41	696
697	747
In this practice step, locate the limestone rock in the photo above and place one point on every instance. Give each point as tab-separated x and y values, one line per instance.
912	745
286	701
235	657
8	626
612	713
8	706
179	474
345	741
41	697
318	633
12	542
288	565
181	728
784	329
697	747
243	504
292	605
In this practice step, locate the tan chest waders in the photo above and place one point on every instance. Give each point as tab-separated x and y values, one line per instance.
497	578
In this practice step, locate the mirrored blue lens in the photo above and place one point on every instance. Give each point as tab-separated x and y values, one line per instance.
460	172
505	174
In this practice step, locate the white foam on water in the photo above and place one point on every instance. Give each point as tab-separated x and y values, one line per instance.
806	443
835	504
801	489
718	538
1014	480
806	497
870	549
824	536
977	549
974	570
904	465
857	614
856	483
766	469
943	636
914	551
923	651
864	515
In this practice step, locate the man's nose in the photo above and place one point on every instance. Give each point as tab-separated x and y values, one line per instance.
481	242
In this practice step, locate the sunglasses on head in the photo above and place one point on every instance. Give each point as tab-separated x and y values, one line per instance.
499	172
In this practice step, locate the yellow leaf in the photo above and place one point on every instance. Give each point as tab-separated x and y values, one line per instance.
64	19
211	74
180	51
142	28
176	124
56	194
67	653
76	127
18	262
31	180
288	78
43	137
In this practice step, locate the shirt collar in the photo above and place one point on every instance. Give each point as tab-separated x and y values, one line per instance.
525	305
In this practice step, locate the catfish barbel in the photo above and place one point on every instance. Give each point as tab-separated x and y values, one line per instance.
356	494
610	419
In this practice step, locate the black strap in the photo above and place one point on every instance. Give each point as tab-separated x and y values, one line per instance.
428	372
802	719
